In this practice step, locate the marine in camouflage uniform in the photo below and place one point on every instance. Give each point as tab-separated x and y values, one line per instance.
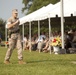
14	38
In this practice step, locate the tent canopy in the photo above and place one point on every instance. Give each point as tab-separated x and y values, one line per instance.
51	11
31	16
69	8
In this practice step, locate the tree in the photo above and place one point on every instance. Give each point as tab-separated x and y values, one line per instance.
27	4
2	28
33	5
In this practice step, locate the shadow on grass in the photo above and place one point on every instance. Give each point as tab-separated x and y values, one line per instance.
38	61
54	61
51	61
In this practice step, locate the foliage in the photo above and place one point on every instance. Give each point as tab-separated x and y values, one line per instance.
2	28
36	4
69	27
38	64
27	4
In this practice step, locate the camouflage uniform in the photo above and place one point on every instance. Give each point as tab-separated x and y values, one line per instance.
14	40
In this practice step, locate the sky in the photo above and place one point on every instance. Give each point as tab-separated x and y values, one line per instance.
6	7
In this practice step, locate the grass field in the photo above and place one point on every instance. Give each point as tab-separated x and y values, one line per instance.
38	64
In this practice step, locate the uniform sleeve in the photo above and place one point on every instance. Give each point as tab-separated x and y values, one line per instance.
8	22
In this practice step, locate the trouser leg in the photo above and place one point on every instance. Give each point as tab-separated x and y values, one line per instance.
19	51
12	44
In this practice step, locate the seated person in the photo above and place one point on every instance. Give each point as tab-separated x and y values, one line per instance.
45	49
25	43
74	40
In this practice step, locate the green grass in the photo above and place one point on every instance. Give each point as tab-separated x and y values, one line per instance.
38	64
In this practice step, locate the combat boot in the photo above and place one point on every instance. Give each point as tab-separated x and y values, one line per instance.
74	62
21	62
6	62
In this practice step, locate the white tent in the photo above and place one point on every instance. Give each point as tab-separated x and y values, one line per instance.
36	14
47	11
69	8
44	14
31	16
51	10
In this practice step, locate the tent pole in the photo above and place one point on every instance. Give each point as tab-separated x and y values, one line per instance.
5	36
62	24
39	31
30	35
38	28
23	35
49	34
